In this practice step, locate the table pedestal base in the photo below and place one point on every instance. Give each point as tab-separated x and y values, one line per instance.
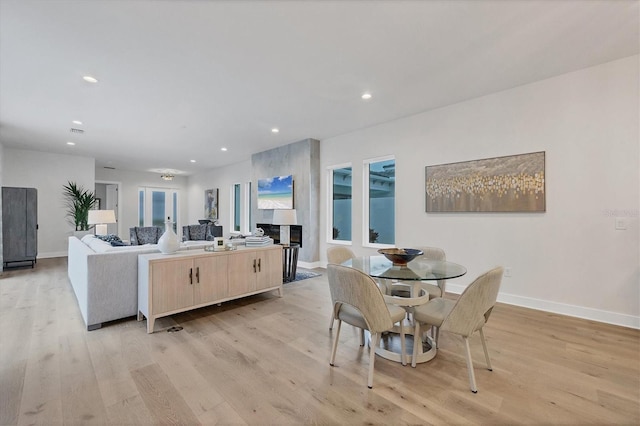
390	348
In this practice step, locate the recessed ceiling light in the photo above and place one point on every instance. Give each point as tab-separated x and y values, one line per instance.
223	149
78	122
366	96
275	130
193	161
71	143
90	79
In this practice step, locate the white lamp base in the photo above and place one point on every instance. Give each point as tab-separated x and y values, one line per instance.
101	229
285	235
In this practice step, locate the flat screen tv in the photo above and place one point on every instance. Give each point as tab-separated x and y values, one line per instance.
273	231
275	192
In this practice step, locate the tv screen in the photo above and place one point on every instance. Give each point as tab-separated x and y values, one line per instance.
275	192
273	231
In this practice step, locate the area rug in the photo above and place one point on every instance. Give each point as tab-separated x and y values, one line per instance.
303	274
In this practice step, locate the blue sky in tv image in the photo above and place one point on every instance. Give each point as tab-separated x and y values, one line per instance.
275	193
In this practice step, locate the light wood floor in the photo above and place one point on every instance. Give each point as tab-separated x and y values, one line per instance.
264	360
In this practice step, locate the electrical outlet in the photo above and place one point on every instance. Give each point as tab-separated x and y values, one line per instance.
507	271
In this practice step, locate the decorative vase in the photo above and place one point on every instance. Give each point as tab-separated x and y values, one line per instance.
168	243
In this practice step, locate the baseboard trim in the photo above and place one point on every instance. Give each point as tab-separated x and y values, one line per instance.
599	315
51	254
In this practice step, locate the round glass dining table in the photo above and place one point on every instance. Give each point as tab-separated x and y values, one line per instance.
409	280
416	270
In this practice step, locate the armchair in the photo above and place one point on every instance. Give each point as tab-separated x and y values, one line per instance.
140	235
205	231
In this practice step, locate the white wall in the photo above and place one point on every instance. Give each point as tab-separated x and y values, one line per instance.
569	259
222	178
1	184
48	173
130	182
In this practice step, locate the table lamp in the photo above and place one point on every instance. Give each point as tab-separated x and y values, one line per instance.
285	218
101	218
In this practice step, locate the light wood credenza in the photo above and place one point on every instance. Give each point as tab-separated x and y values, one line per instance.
168	284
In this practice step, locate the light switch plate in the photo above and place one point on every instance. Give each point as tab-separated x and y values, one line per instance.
621	224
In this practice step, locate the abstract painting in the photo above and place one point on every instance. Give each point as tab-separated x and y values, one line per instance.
514	183
211	204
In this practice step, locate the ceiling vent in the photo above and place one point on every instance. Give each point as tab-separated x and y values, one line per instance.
78	131
110	168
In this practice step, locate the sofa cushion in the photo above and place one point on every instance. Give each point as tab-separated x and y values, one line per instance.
88	238
99	246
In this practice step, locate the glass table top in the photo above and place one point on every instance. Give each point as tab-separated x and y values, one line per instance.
417	269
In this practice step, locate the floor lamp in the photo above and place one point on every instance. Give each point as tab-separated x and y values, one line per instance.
100	218
285	218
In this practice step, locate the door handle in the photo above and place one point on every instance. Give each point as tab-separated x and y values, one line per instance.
190	275
254	265
259	259
198	274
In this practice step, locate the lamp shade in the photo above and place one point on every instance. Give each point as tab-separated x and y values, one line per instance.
101	216
285	217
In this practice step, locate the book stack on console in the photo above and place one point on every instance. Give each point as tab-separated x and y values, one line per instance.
258	241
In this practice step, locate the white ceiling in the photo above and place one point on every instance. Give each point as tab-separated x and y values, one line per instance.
180	79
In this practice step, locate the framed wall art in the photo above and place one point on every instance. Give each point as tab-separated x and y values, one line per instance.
211	204
514	183
275	193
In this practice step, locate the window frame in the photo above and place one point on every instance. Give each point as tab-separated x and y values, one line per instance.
329	227
366	216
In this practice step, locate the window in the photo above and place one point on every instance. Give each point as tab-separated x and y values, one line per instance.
379	201
240	195
340	194
237	212
156	204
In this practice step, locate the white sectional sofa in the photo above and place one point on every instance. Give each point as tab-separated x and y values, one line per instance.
105	278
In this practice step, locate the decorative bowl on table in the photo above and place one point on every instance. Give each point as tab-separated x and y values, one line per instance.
400	256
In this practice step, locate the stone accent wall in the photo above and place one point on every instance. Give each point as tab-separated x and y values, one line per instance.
302	161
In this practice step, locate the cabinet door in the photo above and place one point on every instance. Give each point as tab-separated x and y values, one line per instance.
243	267
270	268
172	287
211	282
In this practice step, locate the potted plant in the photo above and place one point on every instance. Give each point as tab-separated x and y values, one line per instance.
78	202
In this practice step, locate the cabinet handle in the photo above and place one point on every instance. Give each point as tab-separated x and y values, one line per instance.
198	274
190	275
254	265
259	264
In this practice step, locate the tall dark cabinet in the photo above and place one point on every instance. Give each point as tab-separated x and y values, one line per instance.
19	225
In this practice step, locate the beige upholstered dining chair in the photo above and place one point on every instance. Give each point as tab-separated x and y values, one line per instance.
463	316
336	255
358	301
434	253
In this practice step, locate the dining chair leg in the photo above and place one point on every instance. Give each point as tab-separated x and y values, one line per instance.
403	350
375	340
331	323
362	337
486	352
335	344
417	340
472	376
437	338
